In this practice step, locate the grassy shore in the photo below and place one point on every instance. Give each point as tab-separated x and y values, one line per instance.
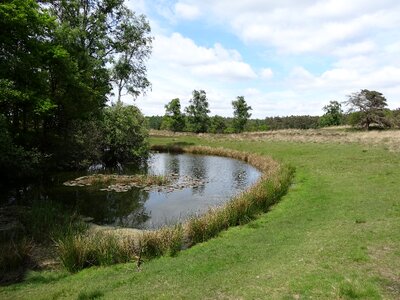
335	235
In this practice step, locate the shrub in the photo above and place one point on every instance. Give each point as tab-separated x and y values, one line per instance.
125	135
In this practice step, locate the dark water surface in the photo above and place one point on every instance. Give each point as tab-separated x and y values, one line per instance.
220	179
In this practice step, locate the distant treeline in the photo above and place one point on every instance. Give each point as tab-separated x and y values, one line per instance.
276	123
269	123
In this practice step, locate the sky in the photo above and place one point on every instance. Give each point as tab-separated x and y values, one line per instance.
285	57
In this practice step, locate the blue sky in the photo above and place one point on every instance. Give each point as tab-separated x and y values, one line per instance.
285	57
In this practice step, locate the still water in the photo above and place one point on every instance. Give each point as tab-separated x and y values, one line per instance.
220	179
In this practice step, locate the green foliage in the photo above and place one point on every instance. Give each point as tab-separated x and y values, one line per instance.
333	115
292	122
125	135
133	42
197	112
154	122
240	113
370	106
48	220
218	124
15	161
173	120
58	60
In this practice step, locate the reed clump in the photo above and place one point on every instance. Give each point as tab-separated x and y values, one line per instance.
80	251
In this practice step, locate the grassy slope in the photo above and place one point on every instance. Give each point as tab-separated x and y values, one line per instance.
335	235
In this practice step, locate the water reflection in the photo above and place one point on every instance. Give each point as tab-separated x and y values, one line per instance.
221	178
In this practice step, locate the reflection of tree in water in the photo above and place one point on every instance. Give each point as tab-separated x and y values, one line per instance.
198	170
122	209
240	177
172	164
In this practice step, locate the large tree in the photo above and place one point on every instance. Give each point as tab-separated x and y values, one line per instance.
133	43
58	61
369	107
174	120
240	113
197	112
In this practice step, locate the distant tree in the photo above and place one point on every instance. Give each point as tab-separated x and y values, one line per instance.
240	113
370	108
218	124
333	114
173	120
154	122
396	117
289	122
197	112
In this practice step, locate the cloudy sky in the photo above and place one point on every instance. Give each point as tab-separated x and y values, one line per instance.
285	57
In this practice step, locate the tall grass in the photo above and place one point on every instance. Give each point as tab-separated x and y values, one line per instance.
78	251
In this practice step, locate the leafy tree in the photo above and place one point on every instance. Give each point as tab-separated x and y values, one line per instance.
134	44
174	120
56	62
218	124
125	137
241	113
197	112
24	47
333	114
370	106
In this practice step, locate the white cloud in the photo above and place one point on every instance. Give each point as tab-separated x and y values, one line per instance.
187	11
266	73
301	26
218	62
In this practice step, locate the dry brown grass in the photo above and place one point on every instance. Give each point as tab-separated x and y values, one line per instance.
138	180
389	139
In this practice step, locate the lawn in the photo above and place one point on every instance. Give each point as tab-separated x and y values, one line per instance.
335	235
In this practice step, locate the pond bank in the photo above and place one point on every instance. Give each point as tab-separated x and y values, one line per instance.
103	248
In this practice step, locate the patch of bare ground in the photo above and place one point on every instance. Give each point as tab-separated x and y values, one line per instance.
387	268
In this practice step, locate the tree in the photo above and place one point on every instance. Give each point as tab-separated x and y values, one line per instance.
370	108
134	44
174	120
333	114
217	124
125	136
197	112
56	62
240	113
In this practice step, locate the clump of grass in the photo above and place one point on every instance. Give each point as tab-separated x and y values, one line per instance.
80	251
14	258
167	240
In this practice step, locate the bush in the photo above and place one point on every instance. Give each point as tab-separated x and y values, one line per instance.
125	135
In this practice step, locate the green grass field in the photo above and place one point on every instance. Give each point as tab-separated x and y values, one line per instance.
335	235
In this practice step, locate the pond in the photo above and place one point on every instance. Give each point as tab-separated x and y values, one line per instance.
215	181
